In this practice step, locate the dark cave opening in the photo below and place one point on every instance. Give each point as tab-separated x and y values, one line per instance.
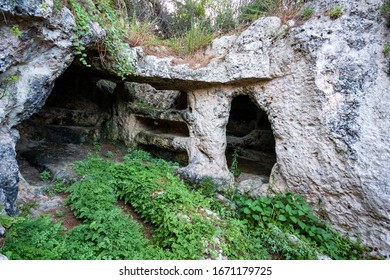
72	123
249	136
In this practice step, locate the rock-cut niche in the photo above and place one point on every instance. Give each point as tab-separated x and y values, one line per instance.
69	126
250	138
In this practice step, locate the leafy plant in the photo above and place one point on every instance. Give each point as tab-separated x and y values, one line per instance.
34	239
16	31
385	8
234	166
109	154
60	213
56	188
102	12
80	30
306	13
45	175
293	215
188	223
386	49
336	12
58	5
6	84
44	5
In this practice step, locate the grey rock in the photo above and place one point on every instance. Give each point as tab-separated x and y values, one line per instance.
253	185
9	170
3	258
324	87
29	65
148	95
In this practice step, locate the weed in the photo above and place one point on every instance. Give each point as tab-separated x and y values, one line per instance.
56	188
60	213
97	147
306	13
293	215
80	30
187	221
16	31
336	12
34	239
44	5
109	154
6	84
101	12
385	8
234	166
197	37
58	5
45	175
386	49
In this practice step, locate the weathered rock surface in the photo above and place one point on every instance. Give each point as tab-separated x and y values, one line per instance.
29	64
35	49
324	87
323	84
9	170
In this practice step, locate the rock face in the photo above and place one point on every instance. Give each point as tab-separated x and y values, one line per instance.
35	49
323	85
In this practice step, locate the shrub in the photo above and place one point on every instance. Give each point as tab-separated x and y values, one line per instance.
102	12
293	215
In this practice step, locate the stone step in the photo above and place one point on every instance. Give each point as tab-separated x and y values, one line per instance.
171	142
61	134
156	113
70	117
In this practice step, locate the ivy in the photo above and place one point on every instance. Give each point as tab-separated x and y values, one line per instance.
102	13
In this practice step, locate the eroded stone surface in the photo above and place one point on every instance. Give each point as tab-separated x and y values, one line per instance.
323	84
324	87
30	62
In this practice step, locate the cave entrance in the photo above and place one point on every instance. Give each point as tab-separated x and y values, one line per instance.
250	138
72	123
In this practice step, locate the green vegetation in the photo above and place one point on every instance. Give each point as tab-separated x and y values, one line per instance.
45	175
44	5
16	31
109	154
386	10
290	213
102	12
188	223
306	13
234	166
6	84
336	12
386	49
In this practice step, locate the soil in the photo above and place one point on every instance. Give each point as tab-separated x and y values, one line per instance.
129	210
56	157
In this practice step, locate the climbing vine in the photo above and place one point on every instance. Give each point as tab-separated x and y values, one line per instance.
113	45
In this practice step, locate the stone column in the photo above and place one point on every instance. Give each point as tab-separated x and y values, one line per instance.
207	116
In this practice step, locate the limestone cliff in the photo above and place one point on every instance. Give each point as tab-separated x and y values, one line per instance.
323	85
